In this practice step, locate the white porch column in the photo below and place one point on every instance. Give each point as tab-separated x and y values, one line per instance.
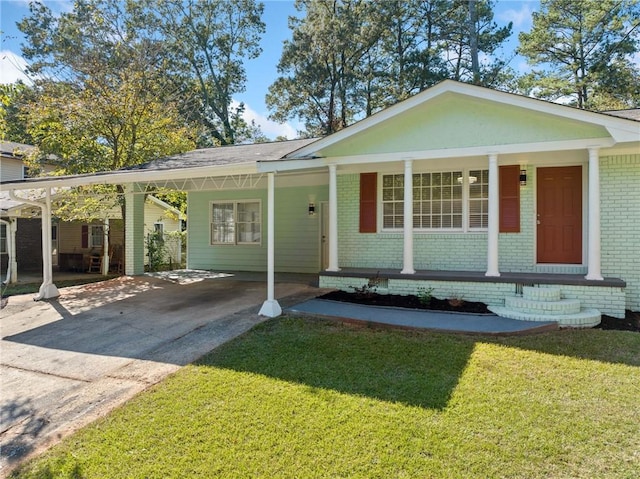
593	239
333	219
494	217
407	267
47	288
270	307
105	247
13	229
133	230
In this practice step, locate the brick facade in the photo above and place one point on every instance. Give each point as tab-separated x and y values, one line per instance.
620	177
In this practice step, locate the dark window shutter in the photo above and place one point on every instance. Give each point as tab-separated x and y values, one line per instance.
368	212
510	199
85	236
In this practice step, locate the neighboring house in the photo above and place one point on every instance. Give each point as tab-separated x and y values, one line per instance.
73	243
502	192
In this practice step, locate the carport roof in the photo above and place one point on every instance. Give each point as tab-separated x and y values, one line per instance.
225	155
206	162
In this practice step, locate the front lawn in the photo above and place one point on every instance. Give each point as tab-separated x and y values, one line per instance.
311	399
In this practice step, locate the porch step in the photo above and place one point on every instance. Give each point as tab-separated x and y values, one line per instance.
586	318
560	306
541	294
546	304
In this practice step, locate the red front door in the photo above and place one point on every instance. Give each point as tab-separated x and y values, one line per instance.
559	215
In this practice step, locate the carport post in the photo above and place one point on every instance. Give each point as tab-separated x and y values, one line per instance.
270	307
47	290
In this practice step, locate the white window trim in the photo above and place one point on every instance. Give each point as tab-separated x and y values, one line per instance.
465	205
235	214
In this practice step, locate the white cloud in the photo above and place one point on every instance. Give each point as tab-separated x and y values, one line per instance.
269	127
12	68
520	17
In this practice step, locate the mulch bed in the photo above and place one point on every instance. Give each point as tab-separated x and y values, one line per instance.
412	302
630	323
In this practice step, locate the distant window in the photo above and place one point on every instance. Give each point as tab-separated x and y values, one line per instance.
96	236
158	231
3	239
236	222
25	172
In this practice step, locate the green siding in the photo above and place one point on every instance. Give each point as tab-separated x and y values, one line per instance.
457	121
134	230
297	235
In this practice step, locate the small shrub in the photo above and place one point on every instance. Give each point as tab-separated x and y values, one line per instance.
456	301
425	295
156	251
369	289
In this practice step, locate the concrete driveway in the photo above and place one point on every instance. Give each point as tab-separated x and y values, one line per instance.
66	362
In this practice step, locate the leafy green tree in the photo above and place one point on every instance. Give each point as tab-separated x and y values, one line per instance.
318	66
350	58
102	101
13	98
205	43
583	50
471	31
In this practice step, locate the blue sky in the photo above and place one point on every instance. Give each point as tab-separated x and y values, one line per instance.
261	72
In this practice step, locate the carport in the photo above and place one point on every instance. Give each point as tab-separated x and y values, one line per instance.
201	170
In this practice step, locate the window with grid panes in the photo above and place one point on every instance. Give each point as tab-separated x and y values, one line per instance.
236	223
478	199
437	200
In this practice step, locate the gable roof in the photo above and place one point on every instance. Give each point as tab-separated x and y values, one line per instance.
595	129
630	114
10	149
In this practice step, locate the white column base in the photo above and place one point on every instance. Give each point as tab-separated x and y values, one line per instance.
595	277
492	273
270	308
47	291
408	271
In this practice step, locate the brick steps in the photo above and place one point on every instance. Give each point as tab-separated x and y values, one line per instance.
546	304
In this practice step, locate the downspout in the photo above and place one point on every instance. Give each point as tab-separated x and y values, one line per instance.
9	250
47	288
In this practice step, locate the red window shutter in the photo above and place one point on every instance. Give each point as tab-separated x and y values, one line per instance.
368	213
510	199
85	236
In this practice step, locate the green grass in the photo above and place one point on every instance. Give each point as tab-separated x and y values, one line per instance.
312	399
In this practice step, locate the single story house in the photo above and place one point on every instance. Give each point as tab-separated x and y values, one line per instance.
465	190
73	243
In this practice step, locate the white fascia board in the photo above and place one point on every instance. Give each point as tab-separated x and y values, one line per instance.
474	151
131	176
275	166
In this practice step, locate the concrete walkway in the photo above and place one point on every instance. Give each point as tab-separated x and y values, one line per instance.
68	361
413	318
